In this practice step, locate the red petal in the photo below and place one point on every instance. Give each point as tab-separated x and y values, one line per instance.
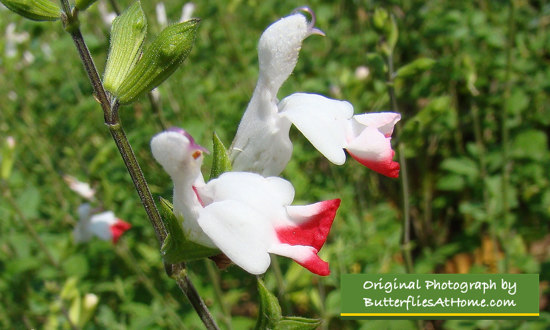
316	265
118	228
314	231
386	167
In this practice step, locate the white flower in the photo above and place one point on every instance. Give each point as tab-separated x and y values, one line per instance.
245	215
161	15
103	225
187	11
262	143
81	188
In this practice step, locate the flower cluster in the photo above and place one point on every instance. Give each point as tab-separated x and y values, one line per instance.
247	213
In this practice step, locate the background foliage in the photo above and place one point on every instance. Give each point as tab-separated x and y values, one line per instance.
452	132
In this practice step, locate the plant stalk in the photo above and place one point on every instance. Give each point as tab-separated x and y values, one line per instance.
112	120
406	247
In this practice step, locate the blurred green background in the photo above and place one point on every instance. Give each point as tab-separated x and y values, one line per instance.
491	72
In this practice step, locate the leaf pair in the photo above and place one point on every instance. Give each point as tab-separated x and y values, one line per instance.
126	75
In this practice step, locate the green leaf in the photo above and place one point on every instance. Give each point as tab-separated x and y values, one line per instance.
221	162
127	36
530	144
159	61
36	10
414	68
176	247
270	310
298	323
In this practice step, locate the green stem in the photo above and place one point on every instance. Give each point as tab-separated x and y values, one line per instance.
406	247
215	279
112	120
179	273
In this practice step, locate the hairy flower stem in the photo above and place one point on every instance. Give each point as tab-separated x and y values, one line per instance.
406	247
112	120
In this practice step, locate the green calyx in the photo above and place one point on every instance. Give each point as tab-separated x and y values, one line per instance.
127	36
36	10
159	61
176	247
270	315
221	162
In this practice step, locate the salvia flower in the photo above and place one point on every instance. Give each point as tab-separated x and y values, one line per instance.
245	215
106	226
82	188
262	143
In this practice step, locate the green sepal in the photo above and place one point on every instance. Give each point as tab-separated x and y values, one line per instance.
415	67
159	60
127	36
176	247
36	10
221	162
298	323
84	4
269	314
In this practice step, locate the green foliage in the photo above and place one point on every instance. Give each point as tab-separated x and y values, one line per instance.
127	36
455	174
158	61
36	10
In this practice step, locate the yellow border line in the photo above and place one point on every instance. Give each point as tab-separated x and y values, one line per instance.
439	314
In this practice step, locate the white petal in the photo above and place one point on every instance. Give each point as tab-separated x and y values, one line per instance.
323	121
240	232
371	145
383	121
300	253
100	225
278	50
265	194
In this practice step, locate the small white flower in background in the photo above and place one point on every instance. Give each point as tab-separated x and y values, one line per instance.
106	226
28	57
10	141
161	14
362	72
187	11
107	16
81	188
46	49
245	215
13	39
262	142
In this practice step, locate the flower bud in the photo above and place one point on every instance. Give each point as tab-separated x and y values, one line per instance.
159	60
36	10
127	35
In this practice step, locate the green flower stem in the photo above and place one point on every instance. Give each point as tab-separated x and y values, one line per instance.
406	247
179	273
112	120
